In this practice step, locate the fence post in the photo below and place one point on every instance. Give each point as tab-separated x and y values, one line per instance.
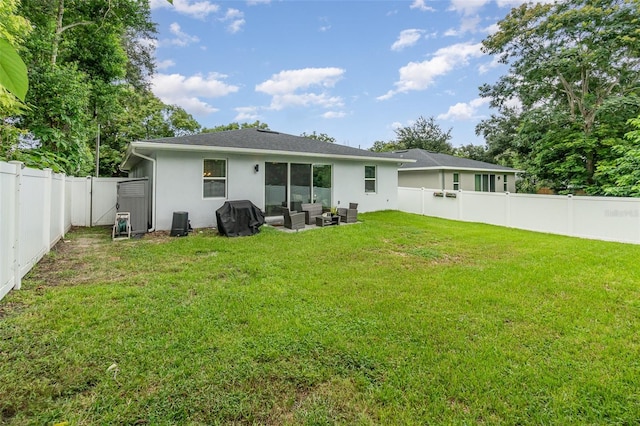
46	214
17	276
422	201
507	207
89	201
63	205
570	227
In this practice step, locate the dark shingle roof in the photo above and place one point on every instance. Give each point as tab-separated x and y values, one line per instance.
433	160
254	139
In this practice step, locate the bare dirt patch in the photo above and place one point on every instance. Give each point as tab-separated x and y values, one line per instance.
84	257
70	260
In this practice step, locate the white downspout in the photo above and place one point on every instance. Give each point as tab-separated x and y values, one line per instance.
153	187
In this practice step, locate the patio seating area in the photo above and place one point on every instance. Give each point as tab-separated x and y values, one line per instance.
312	217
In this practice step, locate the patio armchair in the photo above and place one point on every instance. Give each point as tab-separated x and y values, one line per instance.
293	220
311	211
349	215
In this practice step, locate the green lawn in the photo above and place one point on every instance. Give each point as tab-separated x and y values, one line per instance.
401	319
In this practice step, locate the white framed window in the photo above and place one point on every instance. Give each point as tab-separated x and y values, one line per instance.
504	183
456	181
214	178
369	178
485	182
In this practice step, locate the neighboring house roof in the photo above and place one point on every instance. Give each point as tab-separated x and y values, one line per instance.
254	141
426	160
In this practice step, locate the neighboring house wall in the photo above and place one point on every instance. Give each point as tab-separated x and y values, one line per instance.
179	185
420	179
466	179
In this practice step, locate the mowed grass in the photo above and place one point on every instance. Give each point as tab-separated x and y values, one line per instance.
400	319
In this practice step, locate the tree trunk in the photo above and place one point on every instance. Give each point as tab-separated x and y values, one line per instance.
58	34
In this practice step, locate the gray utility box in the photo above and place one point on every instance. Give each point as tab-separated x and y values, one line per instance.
133	197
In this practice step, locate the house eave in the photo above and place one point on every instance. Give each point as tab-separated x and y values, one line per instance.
466	169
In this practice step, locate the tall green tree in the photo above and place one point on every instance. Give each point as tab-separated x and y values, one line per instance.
80	54
388	146
319	136
473	152
573	65
423	134
142	116
236	126
620	176
500	132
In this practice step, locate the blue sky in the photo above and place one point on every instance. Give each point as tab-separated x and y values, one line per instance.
355	70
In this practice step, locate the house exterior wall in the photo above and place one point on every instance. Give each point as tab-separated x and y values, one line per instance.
466	178
179	184
420	179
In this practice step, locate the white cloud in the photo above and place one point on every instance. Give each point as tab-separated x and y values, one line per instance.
334	114
236	26
468	24
247	114
163	65
197	9
468	7
279	102
407	38
293	88
491	29
182	39
325	25
451	32
291	80
237	20
421	5
463	111
421	75
188	91
257	2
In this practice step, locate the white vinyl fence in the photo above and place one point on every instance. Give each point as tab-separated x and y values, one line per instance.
601	218
37	208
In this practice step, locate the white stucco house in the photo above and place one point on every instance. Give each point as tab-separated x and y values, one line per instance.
447	172
198	173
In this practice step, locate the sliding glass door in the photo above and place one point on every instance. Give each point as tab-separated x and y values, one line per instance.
294	184
275	188
300	185
322	184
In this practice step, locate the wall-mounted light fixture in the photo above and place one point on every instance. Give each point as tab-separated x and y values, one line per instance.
256	168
